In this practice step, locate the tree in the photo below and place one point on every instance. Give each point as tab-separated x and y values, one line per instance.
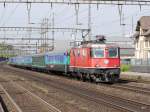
5	50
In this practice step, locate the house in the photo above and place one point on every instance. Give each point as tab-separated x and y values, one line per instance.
142	38
141	63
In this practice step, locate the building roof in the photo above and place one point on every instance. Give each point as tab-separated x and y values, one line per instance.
144	23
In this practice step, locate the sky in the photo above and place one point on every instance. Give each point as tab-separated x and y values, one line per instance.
105	19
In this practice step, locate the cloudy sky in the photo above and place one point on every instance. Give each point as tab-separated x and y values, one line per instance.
105	18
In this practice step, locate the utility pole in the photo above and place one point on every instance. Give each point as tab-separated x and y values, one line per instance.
89	22
53	32
29	11
77	13
123	26
44	35
36	47
132	25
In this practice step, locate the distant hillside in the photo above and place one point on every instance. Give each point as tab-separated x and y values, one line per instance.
6	50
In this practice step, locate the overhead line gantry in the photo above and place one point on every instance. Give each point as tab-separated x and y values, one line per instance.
18	28
109	2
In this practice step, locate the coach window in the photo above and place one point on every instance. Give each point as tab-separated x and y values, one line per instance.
97	52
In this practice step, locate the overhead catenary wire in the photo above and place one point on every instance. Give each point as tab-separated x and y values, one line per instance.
140	6
117	20
120	13
29	11
70	17
10	15
3	14
89	22
77	13
108	2
65	21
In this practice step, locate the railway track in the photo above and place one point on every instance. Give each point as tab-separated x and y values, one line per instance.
124	105
107	99
3	107
133	88
129	87
25	100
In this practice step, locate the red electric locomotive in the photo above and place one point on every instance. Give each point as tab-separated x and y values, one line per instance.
96	61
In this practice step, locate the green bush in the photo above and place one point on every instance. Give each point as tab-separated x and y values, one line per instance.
125	68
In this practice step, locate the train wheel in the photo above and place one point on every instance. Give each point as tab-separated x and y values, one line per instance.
76	75
79	76
72	75
83	77
91	78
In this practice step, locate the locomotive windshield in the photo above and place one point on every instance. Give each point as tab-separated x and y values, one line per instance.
97	53
113	52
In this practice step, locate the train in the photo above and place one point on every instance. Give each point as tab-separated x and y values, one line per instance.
3	59
94	60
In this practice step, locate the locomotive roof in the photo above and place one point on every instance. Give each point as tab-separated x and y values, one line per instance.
56	53
97	45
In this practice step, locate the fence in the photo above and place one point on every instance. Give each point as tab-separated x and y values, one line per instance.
140	65
141	62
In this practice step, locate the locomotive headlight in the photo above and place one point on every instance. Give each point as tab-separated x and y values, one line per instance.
106	61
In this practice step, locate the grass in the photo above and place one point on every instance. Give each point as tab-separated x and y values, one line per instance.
6	55
125	68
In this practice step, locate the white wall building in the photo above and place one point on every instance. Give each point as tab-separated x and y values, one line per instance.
142	38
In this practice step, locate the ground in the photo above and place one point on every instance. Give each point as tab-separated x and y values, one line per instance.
71	95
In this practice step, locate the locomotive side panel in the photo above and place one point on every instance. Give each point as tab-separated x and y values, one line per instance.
79	59
105	63
85	58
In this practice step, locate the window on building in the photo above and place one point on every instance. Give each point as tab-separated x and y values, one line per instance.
149	54
144	30
146	43
137	45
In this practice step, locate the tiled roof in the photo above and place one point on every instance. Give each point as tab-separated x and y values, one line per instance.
144	23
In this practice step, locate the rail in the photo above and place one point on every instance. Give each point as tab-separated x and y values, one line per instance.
125	105
22	92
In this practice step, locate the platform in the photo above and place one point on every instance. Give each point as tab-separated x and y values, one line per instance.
136	76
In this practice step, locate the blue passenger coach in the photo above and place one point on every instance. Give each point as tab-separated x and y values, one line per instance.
21	60
57	62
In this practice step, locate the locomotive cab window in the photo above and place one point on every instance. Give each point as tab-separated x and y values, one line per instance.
113	52
97	52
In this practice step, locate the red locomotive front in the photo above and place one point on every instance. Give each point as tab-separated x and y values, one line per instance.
96	61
